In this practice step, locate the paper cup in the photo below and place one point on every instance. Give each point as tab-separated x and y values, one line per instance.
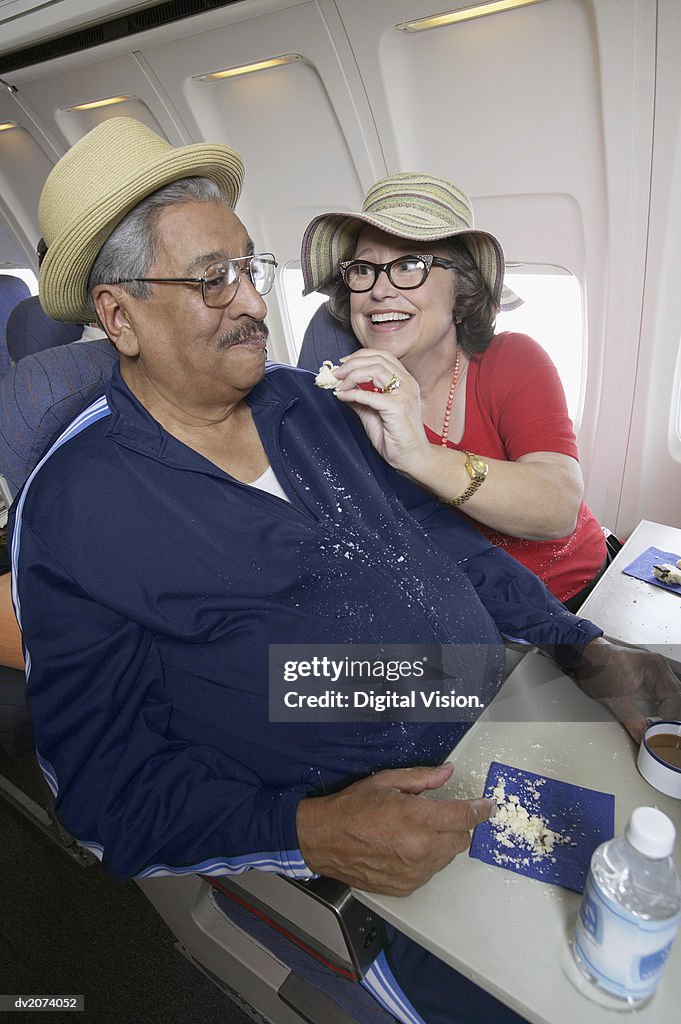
659	758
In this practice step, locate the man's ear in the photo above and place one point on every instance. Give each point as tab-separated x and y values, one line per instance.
111	304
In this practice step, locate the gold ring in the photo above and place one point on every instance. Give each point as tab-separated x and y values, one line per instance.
392	385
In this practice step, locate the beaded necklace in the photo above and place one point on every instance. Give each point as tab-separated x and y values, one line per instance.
450	398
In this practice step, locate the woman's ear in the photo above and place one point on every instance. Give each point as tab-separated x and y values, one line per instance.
111	304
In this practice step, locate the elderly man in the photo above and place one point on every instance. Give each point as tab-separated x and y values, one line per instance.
206	507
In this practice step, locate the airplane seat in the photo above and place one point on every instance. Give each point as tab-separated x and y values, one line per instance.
29	329
41	396
12	291
310	963
15	727
325	338
38	398
288	952
22	784
226	927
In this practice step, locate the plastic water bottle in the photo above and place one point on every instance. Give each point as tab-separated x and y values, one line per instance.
630	913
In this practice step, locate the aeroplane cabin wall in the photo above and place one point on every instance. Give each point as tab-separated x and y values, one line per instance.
544	116
652	480
304	129
24	165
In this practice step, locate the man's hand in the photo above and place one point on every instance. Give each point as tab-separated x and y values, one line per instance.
617	676
383	835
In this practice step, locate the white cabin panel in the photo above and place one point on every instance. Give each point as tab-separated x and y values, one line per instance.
561	120
51	98
25	21
554	102
24	166
651	486
301	128
305	135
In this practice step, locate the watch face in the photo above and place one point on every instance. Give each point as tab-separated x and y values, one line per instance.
479	466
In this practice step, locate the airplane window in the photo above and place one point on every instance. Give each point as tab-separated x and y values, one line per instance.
297	311
551	314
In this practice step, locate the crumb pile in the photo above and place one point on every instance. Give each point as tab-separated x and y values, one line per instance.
517	829
665	572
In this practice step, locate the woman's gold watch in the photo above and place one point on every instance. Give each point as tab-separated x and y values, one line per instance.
477	470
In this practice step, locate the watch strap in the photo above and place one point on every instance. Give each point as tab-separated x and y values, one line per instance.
476	481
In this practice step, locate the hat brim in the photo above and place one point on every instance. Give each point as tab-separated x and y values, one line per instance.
67	264
331	238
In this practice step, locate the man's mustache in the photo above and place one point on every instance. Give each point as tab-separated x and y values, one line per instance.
248	333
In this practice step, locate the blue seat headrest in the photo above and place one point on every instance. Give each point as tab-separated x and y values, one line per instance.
325	338
12	291
29	329
41	395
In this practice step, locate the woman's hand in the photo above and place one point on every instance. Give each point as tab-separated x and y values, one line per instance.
536	497
393	420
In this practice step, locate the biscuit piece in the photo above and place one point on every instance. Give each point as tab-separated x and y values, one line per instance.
326	378
515	827
667	573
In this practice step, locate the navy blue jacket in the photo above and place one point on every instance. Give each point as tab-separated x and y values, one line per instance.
151	583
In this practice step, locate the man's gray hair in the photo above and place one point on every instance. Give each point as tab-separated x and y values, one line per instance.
130	249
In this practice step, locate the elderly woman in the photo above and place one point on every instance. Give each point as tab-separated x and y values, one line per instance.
477	418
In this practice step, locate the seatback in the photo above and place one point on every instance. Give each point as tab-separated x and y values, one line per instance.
12	291
29	329
325	338
40	397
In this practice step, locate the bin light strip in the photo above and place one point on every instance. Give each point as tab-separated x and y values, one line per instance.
246	69
464	14
107	102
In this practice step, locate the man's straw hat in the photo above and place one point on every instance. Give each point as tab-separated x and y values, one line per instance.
95	184
417	207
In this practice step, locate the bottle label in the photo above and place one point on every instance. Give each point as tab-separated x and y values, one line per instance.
623	952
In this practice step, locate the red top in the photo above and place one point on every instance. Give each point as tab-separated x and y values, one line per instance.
515	404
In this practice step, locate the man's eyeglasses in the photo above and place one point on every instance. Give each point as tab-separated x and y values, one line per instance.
220	281
405	272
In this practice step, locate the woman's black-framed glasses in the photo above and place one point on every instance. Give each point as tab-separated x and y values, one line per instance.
220	281
404	273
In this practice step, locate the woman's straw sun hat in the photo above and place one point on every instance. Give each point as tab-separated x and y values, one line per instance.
95	184
418	207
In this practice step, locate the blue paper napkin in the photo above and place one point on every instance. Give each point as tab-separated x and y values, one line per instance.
642	567
580	818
